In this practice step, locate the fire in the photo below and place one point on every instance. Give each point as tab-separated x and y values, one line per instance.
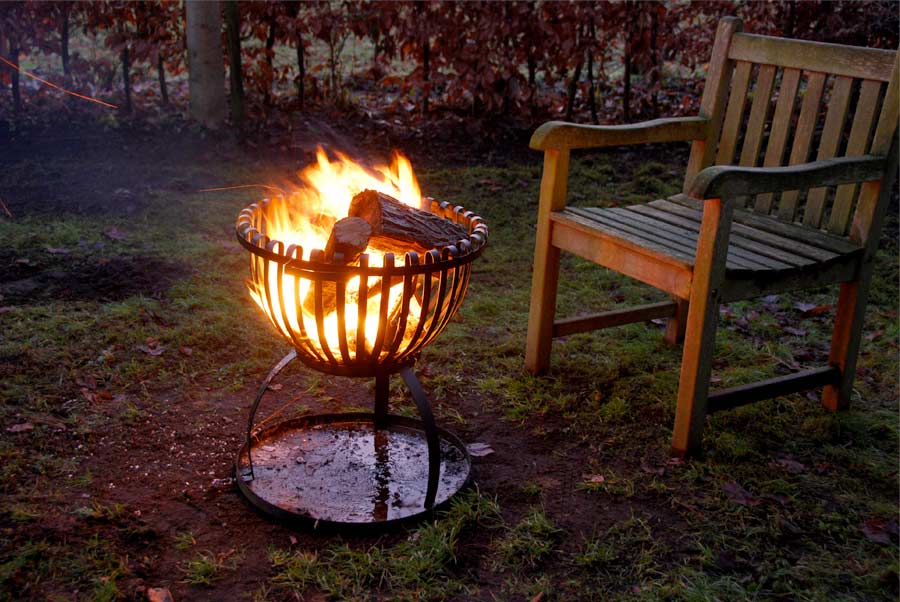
304	217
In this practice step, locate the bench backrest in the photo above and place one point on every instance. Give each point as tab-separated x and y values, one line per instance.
776	101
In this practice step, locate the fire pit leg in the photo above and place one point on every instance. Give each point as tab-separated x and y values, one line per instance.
382	391
431	434
287	359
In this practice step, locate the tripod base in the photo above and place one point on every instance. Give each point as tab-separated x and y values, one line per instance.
354	469
343	471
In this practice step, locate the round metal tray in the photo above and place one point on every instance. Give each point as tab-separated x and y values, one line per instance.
339	470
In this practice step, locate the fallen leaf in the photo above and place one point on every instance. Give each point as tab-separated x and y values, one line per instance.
594	479
740	495
87	381
58	250
479	450
24	427
797	332
152	347
790	465
6	308
876	531
24	261
51	421
159	594
114	233
870	336
658	471
770	299
88	395
276	387
186	351
811	309
104	395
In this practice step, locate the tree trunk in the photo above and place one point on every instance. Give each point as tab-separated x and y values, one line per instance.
301	64
656	71
126	78
16	94
235	70
592	95
426	73
206	72
573	87
626	77
270	44
64	36
161	75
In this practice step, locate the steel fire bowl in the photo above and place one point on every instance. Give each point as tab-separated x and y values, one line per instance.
413	297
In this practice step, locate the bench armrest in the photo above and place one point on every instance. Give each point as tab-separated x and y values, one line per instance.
728	182
563	135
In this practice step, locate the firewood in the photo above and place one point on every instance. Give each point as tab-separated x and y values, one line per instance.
390	218
348	239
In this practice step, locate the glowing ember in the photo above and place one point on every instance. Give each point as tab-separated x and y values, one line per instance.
304	217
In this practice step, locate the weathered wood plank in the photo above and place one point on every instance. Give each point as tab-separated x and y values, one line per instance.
618	317
806	127
679	247
737	240
831	138
545	274
759	114
850	61
691	211
734	397
712	104
805	241
734	114
778	132
738	256
563	135
659	270
863	122
747	285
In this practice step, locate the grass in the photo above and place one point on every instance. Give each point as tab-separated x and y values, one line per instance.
776	509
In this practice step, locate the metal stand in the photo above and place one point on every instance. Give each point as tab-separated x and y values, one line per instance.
382	426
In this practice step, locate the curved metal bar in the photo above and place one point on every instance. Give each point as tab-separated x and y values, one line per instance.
431	433
287	359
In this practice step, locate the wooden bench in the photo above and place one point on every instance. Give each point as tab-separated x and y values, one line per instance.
787	193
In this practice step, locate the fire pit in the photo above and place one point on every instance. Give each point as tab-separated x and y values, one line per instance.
361	298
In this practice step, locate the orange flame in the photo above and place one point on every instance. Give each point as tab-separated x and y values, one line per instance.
60	88
304	217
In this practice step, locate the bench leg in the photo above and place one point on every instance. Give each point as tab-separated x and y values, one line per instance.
545	276
696	366
845	341
676	325
543	308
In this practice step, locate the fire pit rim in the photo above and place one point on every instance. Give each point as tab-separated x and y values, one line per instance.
292	255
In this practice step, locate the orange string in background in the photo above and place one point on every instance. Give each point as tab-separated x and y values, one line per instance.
242	186
52	85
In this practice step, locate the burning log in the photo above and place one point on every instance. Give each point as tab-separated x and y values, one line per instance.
392	219
349	238
383	223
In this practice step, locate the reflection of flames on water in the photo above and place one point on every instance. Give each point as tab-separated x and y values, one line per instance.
304	217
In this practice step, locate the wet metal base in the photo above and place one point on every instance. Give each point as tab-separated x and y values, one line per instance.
338	470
